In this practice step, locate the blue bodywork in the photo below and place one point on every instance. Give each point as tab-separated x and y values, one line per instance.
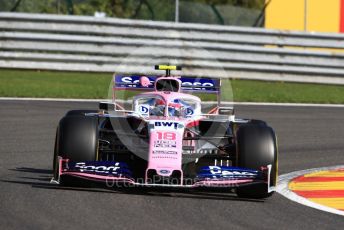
188	83
105	168
225	172
113	168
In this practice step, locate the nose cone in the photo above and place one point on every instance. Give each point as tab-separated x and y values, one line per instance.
165	147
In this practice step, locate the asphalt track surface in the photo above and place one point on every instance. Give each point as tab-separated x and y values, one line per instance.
309	137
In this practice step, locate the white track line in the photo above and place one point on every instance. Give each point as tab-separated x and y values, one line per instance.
284	180
235	103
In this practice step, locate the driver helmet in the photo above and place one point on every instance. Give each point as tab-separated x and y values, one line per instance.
157	107
175	108
159	101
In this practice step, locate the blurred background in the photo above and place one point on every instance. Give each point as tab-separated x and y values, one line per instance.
270	50
304	15
224	12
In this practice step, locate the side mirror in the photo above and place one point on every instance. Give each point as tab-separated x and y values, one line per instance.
104	105
144	81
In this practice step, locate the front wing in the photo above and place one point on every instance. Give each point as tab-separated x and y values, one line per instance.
118	173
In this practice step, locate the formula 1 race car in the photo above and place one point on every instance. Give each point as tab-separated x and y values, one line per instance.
161	131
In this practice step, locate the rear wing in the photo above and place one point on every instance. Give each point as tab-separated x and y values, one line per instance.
202	85
209	87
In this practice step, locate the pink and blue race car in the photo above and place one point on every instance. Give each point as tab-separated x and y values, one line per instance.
167	131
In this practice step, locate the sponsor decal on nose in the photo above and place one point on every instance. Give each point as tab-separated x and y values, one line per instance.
164	171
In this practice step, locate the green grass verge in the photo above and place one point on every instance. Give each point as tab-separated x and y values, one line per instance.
17	83
261	91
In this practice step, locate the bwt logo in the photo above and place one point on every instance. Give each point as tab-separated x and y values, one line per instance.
175	125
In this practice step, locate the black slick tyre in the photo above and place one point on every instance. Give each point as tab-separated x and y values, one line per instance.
76	139
80	112
256	147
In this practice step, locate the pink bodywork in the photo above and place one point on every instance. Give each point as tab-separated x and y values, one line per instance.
168	159
164	159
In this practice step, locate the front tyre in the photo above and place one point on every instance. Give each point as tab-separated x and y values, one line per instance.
76	140
256	148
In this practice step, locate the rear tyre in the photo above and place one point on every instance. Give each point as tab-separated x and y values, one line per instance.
76	140
256	147
80	112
